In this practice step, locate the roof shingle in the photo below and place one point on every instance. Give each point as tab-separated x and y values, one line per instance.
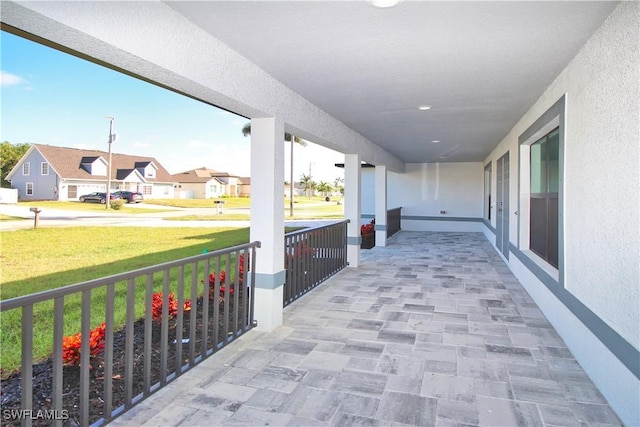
66	162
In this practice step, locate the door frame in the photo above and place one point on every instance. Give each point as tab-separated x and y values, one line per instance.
502	204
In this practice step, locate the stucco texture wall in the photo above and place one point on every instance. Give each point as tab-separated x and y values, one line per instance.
427	188
601	170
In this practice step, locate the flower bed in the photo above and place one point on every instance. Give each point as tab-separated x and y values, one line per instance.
10	388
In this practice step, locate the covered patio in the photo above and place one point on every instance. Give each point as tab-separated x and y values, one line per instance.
433	329
515	122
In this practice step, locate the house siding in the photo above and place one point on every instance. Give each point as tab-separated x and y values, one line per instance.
44	186
161	191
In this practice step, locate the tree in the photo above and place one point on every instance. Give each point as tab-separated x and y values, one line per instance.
246	131
324	188
307	183
337	184
9	156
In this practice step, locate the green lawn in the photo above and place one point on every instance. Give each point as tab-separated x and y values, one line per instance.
90	207
243	202
229	202
217	217
46	258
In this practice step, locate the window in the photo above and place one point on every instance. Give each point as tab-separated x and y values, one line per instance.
26	168
541	191
543	197
44	168
147	190
29	189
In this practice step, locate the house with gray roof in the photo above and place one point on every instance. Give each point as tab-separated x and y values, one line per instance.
205	183
47	172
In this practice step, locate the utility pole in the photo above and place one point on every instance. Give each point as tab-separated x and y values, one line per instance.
309	186
291	185
111	139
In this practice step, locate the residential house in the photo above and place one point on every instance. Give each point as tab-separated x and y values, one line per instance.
205	183
298	190
455	104
244	186
47	172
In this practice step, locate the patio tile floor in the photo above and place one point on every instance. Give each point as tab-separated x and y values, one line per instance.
432	330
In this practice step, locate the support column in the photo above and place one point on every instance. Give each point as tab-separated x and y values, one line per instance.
267	218
352	207
381	205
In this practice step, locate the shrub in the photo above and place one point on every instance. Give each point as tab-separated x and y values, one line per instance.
367	229
71	346
222	279
116	204
156	306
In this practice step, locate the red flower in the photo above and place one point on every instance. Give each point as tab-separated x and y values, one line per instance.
71	346
156	306
366	229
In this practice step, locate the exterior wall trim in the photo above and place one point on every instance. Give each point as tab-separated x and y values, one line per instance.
270	281
487	224
356	241
557	110
430	218
628	355
625	352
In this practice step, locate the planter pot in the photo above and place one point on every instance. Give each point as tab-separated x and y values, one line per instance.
368	241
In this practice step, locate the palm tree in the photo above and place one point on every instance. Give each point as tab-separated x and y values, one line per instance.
246	131
307	183
324	188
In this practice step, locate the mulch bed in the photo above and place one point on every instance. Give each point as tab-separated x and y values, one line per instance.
43	372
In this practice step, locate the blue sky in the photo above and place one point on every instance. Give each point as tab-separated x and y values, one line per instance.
49	97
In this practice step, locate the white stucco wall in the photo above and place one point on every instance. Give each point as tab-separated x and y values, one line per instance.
601	197
425	189
428	188
602	180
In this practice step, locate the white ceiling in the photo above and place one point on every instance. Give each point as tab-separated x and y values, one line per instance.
481	65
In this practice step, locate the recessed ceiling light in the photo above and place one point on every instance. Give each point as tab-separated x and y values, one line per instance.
435	141
384	3
424	107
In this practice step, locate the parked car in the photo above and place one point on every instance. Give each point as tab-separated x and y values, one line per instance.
98	197
130	196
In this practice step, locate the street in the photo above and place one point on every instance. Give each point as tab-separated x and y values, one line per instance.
65	218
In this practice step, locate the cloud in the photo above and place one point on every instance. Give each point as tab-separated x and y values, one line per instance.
8	79
140	144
